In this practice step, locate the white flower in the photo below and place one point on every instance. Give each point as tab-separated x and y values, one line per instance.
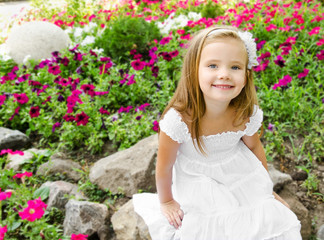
88	40
78	32
26	58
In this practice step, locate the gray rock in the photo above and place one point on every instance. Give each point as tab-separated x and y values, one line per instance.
36	39
320	233
300	210
128	170
15	161
58	190
64	167
128	225
84	217
12	139
278	178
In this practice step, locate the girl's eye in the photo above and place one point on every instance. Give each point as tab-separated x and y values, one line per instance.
236	67
212	66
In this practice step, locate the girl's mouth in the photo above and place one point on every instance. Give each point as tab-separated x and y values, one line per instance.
223	86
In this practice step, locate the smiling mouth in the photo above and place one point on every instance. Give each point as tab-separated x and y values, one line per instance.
223	86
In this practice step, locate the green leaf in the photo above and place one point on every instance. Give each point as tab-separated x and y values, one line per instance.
42	192
14	226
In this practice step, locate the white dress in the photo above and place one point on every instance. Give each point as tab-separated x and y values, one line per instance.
225	196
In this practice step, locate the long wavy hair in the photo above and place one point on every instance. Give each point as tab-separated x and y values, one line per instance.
188	98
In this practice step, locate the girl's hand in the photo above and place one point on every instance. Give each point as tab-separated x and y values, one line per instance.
171	210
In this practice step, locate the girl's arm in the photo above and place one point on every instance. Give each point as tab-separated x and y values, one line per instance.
166	157
254	144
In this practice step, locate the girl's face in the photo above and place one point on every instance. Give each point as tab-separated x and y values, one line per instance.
221	71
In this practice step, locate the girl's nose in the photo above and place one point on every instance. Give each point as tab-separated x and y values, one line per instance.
223	73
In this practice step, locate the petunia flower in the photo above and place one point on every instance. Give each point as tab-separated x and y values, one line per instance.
304	73
271	27
2	99
280	61
69	118
4	151
320	55
138	64
4	195
15	113
35	210
155	126
103	111
282	82
55	70
320	42
20	175
3	231
260	44
82	119
34	112
56	125
165	40
21	98
315	30
78	237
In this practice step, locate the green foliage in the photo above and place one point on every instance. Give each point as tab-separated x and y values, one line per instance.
127	33
212	10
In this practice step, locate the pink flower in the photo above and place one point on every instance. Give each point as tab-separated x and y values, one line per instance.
82	119
78	237
20	175
88	89
282	82
56	125
155	126
69	118
320	56
34	112
165	40
271	127
138	64
103	111
280	61
304	73
319	43
260	44
3	231
4	195
315	30
4	151
35	210
271	27
2	99
21	98
55	70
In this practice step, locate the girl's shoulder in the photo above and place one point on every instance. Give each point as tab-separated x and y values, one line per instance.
174	124
254	122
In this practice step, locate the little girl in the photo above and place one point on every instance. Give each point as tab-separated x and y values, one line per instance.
211	171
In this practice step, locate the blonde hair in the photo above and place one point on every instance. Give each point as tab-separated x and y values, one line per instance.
188	98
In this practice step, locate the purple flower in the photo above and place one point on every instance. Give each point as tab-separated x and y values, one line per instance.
77	56
55	70
155	126
260	44
280	61
320	56
271	127
56	125
2	99
139	117
138	64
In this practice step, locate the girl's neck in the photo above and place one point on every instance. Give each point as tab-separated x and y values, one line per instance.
216	110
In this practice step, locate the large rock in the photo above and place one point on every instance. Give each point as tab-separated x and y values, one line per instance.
129	170
84	217
15	161
278	178
299	209
36	39
128	225
12	139
59	193
320	233
65	167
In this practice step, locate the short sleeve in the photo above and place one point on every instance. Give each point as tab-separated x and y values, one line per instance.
255	121
173	126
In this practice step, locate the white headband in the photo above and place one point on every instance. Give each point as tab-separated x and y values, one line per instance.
249	43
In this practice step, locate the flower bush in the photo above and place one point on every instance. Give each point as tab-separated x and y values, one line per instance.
83	96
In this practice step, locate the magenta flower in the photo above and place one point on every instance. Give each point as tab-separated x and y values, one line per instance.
3	231
131	80
4	151
2	99
103	111
20	175
77	56
15	113
55	70
280	61
34	112
69	118
78	237
155	71
104	67
4	195
165	40
56	125
320	56
271	27
65	61
262	66
124	109
88	89
260	44
155	126
315	30
138	64
270	127
320	42
21	98
282	82
82	119
304	73
35	210
174	53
